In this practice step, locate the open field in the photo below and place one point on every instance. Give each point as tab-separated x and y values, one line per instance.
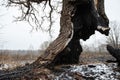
17	59
95	57
11	56
92	66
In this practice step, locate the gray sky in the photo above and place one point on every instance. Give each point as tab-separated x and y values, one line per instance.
18	36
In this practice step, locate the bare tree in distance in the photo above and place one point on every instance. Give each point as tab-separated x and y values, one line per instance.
114	35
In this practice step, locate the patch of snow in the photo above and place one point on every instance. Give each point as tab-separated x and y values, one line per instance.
63	76
3	66
98	71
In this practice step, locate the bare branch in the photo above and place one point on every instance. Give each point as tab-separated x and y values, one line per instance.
30	12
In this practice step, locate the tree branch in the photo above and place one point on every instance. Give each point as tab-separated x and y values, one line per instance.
30	13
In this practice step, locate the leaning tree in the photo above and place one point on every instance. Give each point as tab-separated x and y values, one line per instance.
79	19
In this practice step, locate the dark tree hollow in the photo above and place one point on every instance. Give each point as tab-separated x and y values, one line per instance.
85	21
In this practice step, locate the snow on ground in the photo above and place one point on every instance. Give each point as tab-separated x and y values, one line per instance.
11	65
95	71
98	71
4	66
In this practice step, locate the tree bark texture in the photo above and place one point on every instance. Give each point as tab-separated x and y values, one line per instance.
79	20
65	36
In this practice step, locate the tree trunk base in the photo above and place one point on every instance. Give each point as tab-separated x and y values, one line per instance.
70	55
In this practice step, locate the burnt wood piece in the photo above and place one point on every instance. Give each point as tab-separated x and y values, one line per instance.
114	52
85	21
63	39
103	21
84	25
70	55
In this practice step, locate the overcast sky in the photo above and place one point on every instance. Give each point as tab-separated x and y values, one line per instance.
18	36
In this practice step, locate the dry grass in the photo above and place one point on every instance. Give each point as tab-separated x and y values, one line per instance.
22	59
16	59
95	57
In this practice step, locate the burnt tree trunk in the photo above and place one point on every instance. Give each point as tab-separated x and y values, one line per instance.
79	20
70	55
63	39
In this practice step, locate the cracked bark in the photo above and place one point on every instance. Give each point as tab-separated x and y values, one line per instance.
65	36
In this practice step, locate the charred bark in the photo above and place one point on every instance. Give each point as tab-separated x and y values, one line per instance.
86	20
114	52
84	23
65	36
70	55
79	20
103	26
